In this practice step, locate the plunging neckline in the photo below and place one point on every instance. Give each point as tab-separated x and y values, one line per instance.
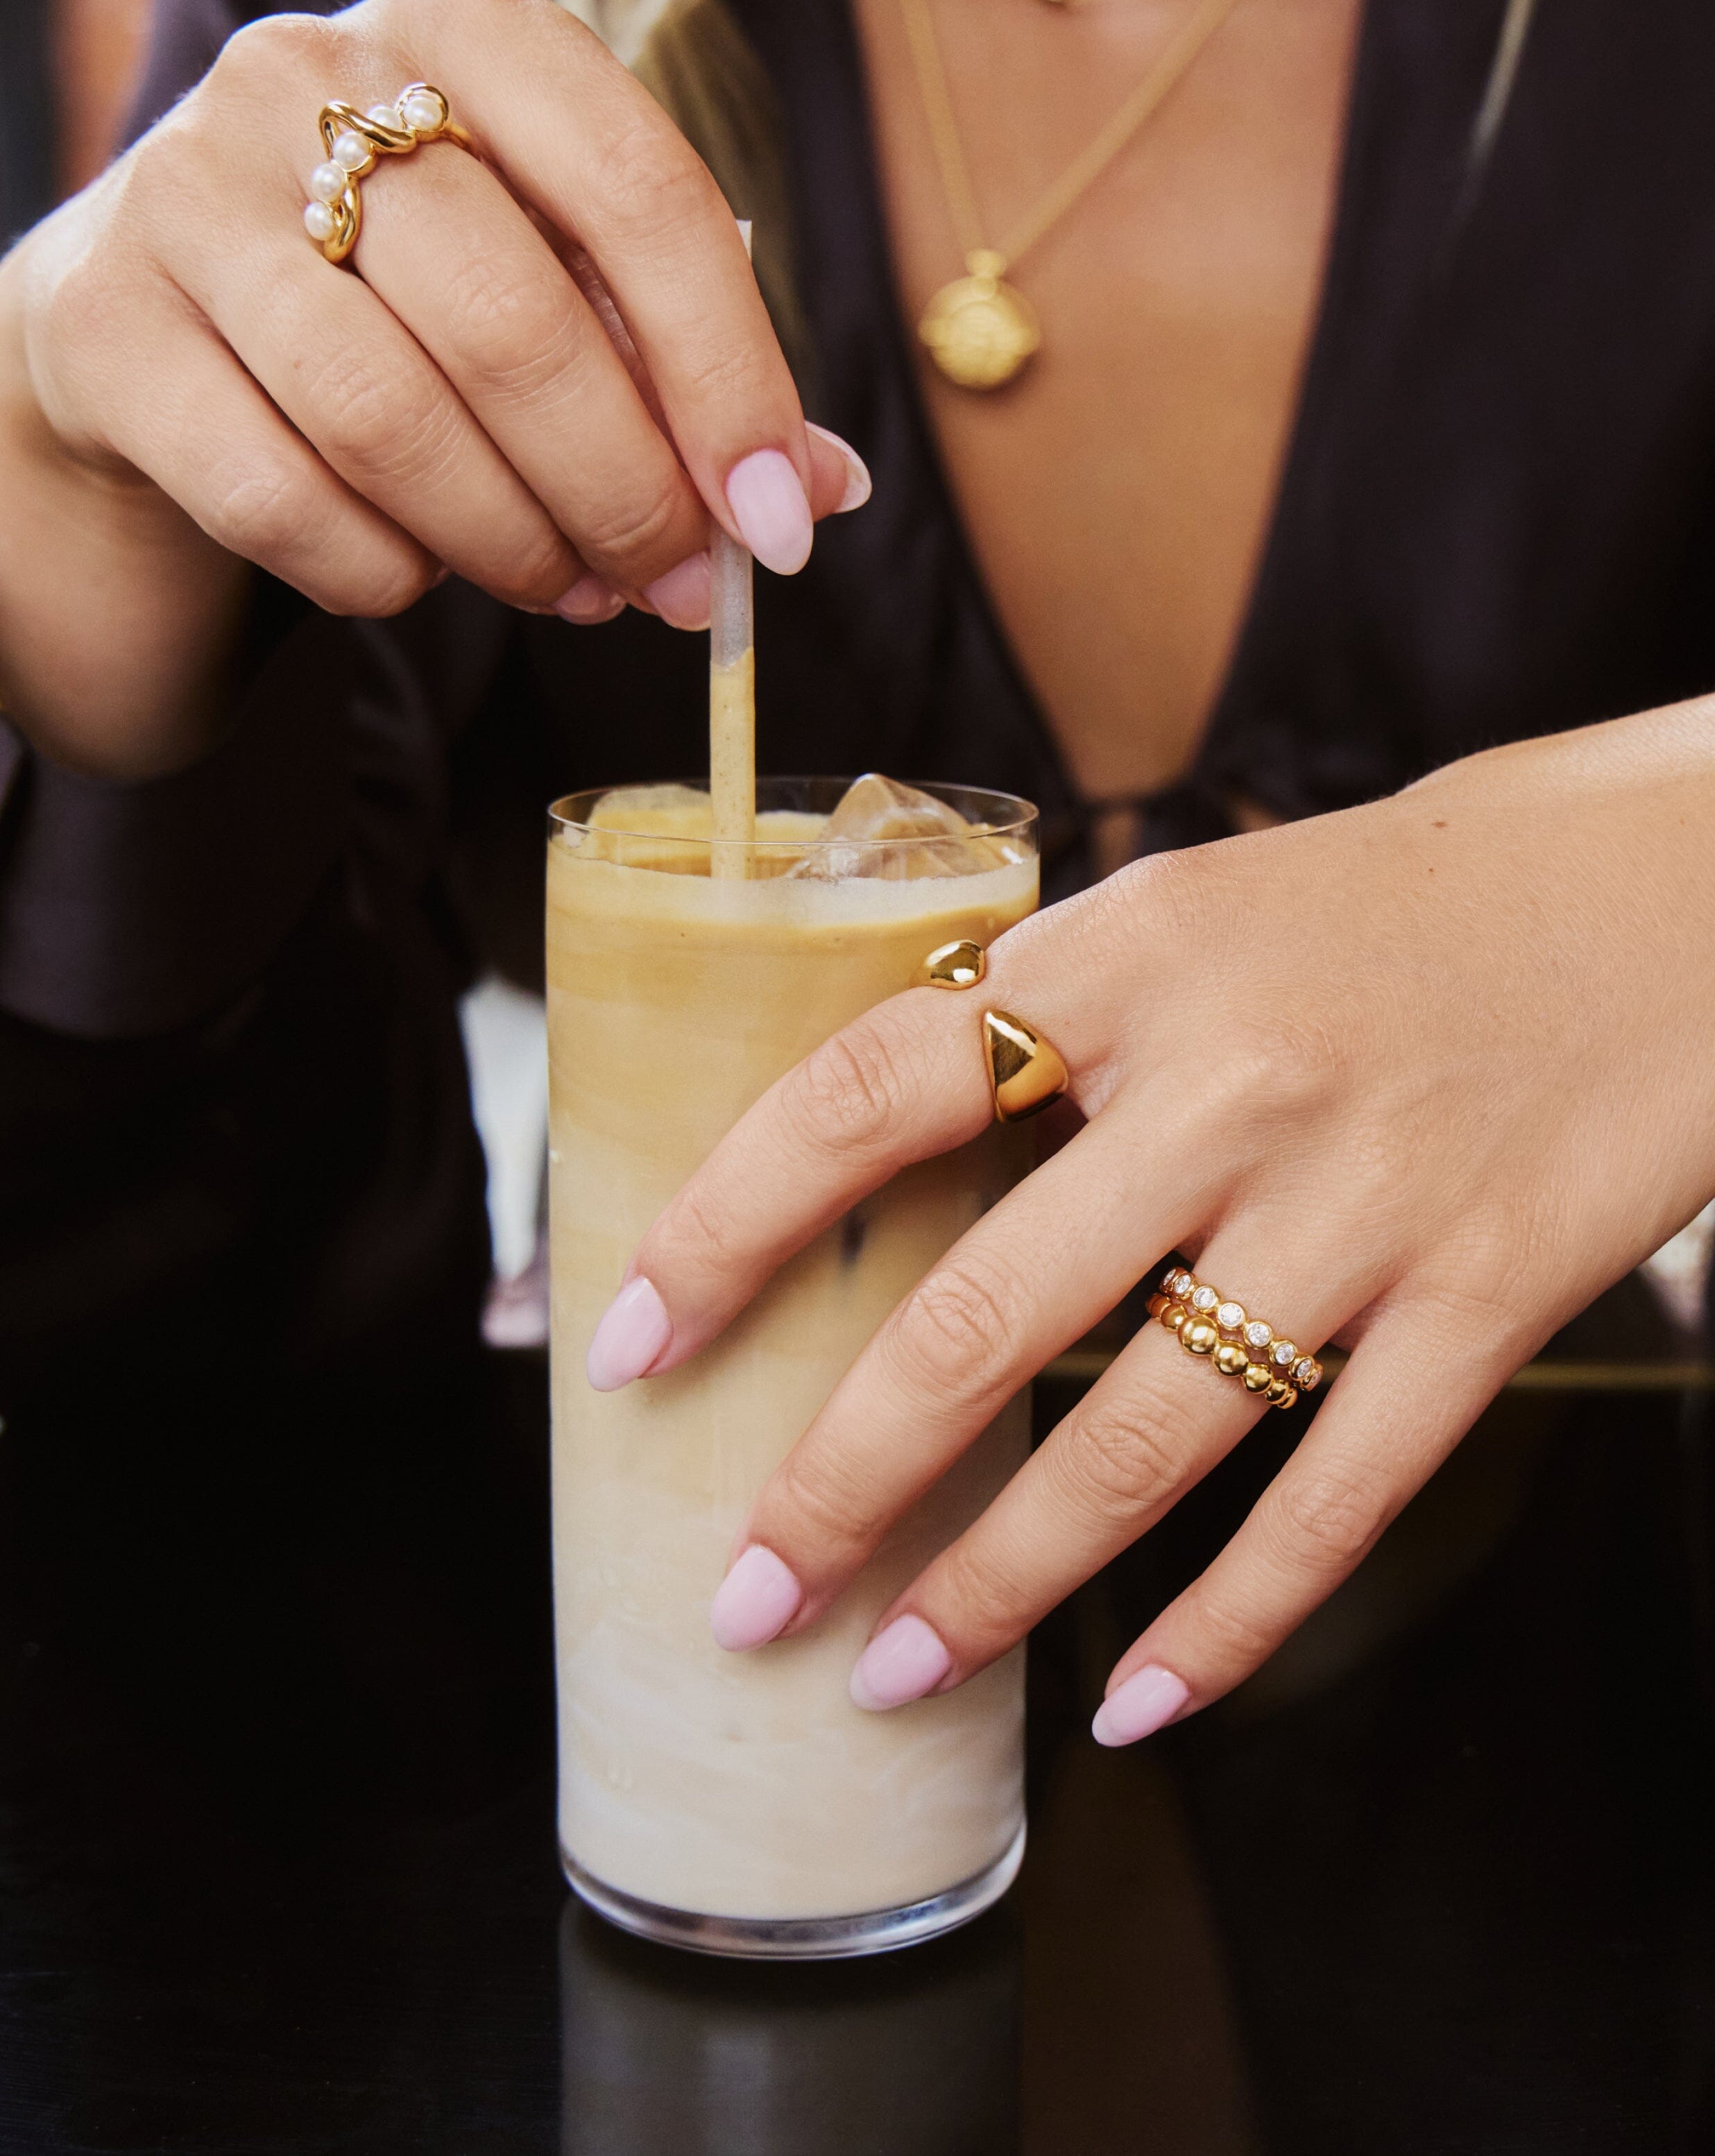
870	322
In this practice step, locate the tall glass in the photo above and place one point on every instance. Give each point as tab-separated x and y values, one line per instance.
740	1803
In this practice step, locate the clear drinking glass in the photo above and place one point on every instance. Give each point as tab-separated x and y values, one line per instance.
740	1803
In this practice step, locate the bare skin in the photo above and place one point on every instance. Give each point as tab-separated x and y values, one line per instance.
1117	494
1461	1108
187	386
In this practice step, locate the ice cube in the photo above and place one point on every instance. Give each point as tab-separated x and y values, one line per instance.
882	829
644	827
663	812
873	807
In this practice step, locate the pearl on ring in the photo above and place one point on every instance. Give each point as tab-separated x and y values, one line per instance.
423	111
328	183
318	221
384	116
352	151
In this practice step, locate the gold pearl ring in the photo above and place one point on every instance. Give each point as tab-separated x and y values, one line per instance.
1027	1073
333	216
1207	1322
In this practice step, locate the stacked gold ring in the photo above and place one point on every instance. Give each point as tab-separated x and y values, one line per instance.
1207	1322
333	217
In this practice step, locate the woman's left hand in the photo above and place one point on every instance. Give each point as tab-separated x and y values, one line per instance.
1422	1077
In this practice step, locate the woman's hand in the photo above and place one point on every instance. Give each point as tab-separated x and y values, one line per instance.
546	371
1422	1077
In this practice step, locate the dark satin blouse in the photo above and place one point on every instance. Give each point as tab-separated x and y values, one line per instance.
232	1100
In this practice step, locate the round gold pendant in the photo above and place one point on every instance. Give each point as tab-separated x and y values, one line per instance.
980	330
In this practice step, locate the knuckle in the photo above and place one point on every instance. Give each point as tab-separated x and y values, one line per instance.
1123	1457
985	1604
1230	1636
145	192
389	586
1305	1058
726	374
378	423
957	1326
1336	1515
633	529
360	413
1273	1073
283	518
513	331
656	184
826	1507
72	315
540	566
268	513
1153	904
702	1225
847	1092
252	59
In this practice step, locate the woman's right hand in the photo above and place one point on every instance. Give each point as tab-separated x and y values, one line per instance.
545	373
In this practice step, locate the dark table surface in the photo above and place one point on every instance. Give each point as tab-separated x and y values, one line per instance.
277	1867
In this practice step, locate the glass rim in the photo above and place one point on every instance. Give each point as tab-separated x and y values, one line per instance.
1023	825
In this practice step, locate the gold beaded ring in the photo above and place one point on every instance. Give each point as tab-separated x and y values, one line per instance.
1207	1322
333	217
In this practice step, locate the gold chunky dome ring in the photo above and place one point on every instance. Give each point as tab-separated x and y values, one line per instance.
333	216
1027	1073
1208	1323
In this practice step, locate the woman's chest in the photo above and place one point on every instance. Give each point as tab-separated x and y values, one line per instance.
1116	493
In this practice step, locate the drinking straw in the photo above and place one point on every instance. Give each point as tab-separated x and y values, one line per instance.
733	696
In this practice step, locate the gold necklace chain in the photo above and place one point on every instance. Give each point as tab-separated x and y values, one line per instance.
980	330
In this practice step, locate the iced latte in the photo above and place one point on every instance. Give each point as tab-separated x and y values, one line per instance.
741	1802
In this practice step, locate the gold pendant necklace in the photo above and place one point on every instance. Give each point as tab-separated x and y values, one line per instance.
980	330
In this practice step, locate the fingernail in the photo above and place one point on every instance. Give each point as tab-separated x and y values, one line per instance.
681	597
588	602
899	1664
633	1332
757	1599
1148	1698
857	472
767	497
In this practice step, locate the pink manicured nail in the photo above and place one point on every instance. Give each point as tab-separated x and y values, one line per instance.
681	597
767	497
759	1598
899	1664
588	602
1148	1698
857	472
633	1332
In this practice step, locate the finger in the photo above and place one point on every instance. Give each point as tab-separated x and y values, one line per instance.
208	438
903	1082
1149	1429
625	184
459	263
973	1333
1411	1390
380	412
840	479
